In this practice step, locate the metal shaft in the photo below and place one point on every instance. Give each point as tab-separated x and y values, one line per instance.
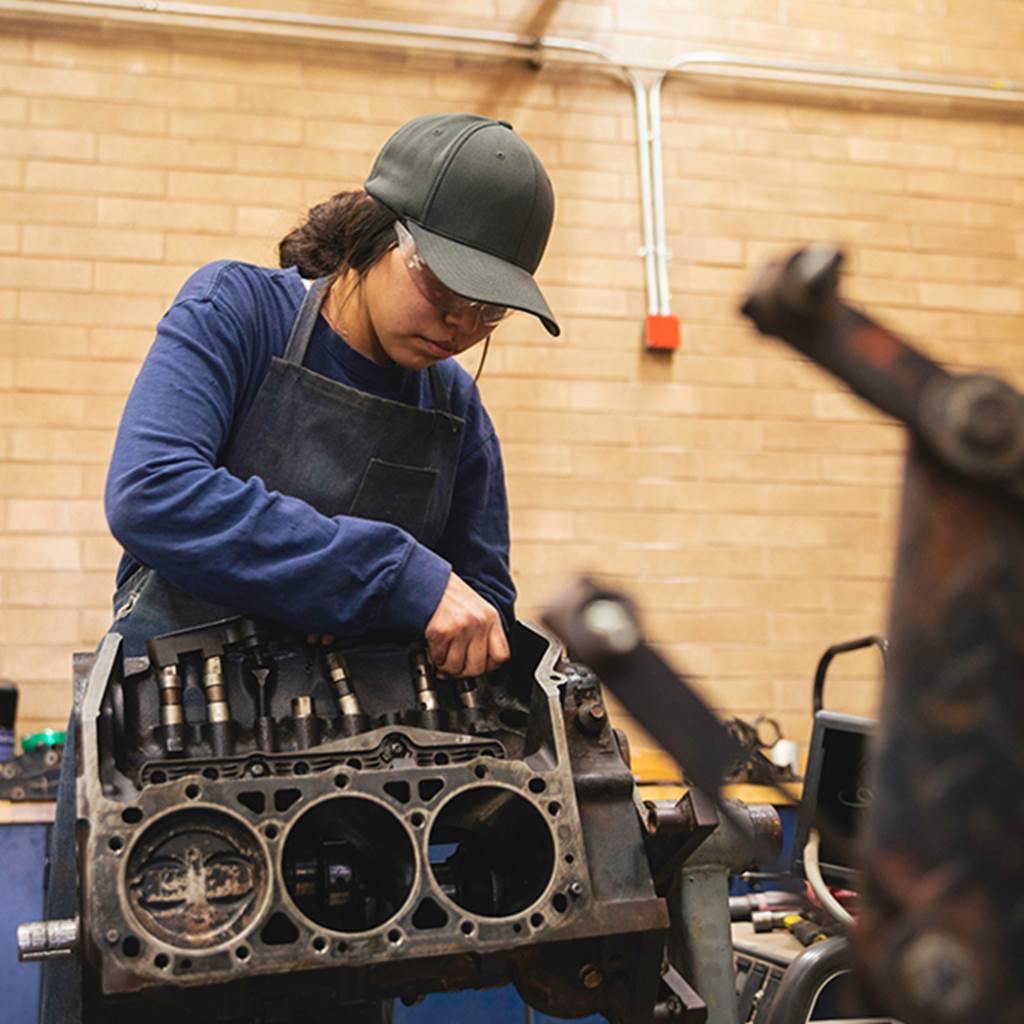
348	702
426	695
469	693
217	709
307	725
172	711
44	940
218	713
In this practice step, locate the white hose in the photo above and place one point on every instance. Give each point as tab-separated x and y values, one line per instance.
812	870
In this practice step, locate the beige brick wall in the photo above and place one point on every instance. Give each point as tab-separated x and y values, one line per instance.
746	501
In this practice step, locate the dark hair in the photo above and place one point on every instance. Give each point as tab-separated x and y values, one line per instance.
351	229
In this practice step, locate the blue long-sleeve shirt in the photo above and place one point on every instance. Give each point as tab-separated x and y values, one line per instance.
234	542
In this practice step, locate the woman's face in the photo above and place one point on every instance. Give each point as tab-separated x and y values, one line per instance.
406	327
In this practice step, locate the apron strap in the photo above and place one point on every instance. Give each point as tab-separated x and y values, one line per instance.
302	328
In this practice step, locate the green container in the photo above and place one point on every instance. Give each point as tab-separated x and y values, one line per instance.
46	738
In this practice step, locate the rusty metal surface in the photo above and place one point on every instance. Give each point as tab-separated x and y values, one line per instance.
602	628
940	935
196	879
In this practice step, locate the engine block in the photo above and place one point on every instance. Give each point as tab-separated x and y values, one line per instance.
257	811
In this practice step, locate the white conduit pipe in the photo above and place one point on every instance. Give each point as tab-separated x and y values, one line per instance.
651	217
661	250
993	90
171	14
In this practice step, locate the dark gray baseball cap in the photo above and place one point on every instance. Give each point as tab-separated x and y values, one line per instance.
477	202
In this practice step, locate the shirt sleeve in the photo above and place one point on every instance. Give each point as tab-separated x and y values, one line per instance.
476	538
232	541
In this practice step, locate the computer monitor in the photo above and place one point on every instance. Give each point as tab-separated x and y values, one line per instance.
836	792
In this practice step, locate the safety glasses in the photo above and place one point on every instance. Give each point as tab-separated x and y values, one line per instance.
473	315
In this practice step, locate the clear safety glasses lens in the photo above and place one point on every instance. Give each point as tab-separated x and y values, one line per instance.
482	314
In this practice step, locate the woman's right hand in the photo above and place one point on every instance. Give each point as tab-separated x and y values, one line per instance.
464	635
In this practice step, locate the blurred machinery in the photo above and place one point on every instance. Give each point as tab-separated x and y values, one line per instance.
938	936
941	930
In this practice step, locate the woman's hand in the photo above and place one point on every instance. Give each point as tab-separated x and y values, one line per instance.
464	635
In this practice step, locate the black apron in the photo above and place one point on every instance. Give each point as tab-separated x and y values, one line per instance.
343	451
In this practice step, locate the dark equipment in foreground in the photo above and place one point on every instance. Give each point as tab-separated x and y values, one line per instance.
270	831
943	924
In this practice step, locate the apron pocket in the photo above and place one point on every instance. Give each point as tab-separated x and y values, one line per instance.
400	495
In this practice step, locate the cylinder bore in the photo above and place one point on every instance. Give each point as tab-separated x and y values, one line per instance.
349	864
197	878
491	851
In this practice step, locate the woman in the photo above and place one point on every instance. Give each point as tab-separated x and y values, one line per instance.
337	472
299	445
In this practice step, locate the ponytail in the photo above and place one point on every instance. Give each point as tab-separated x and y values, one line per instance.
351	230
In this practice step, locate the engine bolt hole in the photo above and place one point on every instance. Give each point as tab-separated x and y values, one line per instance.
468	927
480	771
417	819
341	781
536	920
116	844
554	807
394	936
242	952
271	831
161	960
537	785
192	791
131	815
319	943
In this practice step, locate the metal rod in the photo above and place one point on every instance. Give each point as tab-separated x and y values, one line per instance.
172	709
348	702
426	695
218	713
305	722
469	695
46	940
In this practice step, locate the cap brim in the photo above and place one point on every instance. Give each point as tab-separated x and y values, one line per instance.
481	276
